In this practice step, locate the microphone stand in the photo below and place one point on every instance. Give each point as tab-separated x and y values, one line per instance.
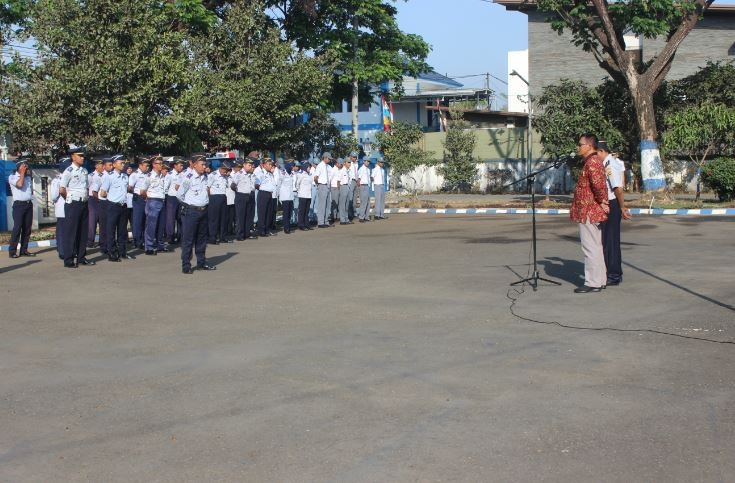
533	279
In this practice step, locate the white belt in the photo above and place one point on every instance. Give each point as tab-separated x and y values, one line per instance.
71	198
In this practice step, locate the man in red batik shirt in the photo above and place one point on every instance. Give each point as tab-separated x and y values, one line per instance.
589	209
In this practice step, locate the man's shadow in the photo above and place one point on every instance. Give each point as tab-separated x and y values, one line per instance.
571	271
20	265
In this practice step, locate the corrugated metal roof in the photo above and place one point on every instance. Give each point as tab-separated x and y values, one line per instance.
441	79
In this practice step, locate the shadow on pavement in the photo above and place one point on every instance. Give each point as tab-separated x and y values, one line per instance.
220	258
571	271
20	265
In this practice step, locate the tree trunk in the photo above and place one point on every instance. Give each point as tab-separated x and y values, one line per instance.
355	83
652	170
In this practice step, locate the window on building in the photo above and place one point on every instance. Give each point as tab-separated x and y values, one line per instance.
363	107
337	106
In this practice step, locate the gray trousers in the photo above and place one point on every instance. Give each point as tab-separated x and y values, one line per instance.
379	200
344	198
595	273
351	200
363	212
322	193
334	203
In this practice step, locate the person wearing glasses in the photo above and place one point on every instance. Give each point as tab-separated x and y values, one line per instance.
74	188
589	209
193	194
153	190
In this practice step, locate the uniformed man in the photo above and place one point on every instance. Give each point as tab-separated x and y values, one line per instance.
614	172
74	188
94	179
230	211
322	180
154	190
303	191
137	180
343	175
266	186
173	220
59	203
363	183
378	178
273	208
217	211
193	193
285	194
351	165
115	188
334	190
244	186
21	187
102	206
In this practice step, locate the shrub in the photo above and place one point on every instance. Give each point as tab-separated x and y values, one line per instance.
719	175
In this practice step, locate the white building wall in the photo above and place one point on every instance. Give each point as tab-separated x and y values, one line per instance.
517	89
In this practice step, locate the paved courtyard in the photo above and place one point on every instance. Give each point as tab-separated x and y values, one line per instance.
381	352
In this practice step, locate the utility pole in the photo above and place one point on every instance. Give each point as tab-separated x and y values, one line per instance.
355	84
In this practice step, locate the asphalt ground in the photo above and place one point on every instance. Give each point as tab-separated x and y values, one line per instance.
385	351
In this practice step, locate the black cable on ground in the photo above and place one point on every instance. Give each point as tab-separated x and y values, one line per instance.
518	293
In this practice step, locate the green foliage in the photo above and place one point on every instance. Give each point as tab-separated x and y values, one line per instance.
714	82
108	74
320	133
401	148
249	88
459	166
700	130
376	51
344	144
569	109
719	175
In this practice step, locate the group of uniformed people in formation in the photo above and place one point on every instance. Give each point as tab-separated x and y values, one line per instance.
167	202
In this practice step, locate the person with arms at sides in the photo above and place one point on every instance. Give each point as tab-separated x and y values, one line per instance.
193	193
115	188
74	188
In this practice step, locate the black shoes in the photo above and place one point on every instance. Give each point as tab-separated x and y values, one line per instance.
206	267
114	259
187	270
128	257
84	261
27	254
14	255
150	252
70	265
586	289
323	226
613	283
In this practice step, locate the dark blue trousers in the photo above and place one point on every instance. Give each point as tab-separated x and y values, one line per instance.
287	207
92	220
173	220
264	213
154	224
138	220
193	235
611	243
116	229
22	223
304	212
217	216
60	236
76	215
102	213
272	208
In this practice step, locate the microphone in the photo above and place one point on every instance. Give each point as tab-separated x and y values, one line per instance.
564	158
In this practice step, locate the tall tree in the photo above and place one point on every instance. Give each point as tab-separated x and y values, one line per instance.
249	88
108	73
599	27
364	36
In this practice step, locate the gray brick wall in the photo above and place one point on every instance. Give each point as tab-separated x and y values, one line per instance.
553	57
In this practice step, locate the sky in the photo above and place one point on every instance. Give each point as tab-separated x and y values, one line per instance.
468	37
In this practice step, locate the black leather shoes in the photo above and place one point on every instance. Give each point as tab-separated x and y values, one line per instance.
14	255
114	259
150	252
84	261
206	267
27	254
128	257
612	283
187	270
70	265
586	289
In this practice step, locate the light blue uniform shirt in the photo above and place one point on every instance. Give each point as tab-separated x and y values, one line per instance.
25	192
137	180
245	182
75	181
266	181
155	185
193	190
116	186
218	183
